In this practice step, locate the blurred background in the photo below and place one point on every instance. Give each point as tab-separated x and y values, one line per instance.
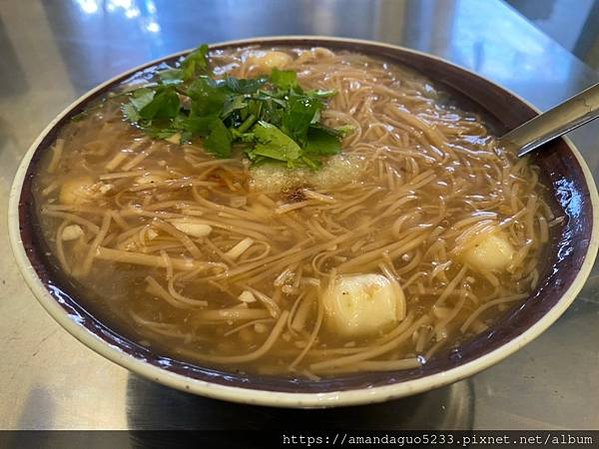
574	24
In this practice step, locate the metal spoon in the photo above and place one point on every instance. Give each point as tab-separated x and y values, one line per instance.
569	115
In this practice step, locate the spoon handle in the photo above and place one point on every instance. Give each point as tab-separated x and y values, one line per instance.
569	115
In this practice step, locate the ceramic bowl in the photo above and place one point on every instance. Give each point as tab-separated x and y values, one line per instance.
573	248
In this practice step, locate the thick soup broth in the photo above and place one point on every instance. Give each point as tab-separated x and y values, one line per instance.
418	235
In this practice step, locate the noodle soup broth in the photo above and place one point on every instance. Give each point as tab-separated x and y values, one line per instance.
420	234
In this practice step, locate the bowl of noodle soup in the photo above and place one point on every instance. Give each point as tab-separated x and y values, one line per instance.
420	254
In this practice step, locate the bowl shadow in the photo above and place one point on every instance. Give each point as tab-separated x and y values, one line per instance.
153	406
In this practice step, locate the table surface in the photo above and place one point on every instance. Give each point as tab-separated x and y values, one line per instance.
52	51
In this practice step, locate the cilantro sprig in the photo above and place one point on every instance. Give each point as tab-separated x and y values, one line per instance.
268	118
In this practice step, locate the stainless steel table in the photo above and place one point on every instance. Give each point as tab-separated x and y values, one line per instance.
51	51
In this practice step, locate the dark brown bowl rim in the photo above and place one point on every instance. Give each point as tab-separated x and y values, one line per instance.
577	242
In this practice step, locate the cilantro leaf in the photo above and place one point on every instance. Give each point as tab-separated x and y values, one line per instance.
284	79
130	112
322	142
231	104
298	115
197	126
195	63
158	132
243	137
147	104
142	97
164	104
218	141
339	132
207	97
273	118
244	86
273	143
171	76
